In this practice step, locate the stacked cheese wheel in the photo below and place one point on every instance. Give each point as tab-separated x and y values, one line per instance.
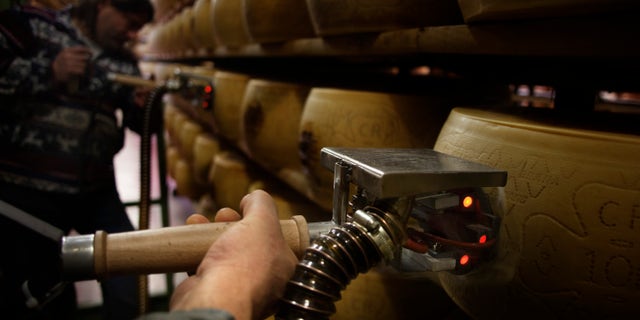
349	118
331	17
289	202
270	117
203	28
230	177
189	151
229	27
277	20
568	241
230	88
383	293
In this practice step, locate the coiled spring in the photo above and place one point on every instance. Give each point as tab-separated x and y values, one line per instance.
334	259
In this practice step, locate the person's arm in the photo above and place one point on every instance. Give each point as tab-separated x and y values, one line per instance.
35	71
245	271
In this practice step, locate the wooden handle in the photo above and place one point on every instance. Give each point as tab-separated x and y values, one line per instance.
173	249
131	80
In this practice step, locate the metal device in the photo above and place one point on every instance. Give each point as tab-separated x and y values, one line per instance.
416	209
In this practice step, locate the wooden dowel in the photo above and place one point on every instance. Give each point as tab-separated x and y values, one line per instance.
173	249
131	80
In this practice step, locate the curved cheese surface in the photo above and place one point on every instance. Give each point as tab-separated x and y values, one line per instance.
229	93
205	147
331	17
270	115
230	179
229	26
386	294
277	20
203	25
349	118
570	231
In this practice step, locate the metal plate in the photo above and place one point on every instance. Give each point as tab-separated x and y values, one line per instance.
387	173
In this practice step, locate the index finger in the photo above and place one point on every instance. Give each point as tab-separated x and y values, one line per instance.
259	204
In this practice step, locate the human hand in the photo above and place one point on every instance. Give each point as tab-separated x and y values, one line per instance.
246	270
140	96
70	63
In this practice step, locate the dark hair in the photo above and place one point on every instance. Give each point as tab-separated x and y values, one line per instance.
85	11
138	7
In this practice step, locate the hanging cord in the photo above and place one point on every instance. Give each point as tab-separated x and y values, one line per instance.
152	104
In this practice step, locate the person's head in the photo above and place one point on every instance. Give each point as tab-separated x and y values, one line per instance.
112	23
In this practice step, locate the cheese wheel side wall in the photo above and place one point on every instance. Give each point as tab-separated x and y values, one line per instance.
346	118
569	232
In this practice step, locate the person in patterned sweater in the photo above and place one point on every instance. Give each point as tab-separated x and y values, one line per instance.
59	132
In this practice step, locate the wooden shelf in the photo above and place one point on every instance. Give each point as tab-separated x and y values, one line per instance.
593	53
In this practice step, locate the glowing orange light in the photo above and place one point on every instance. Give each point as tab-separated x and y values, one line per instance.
464	260
208	89
467	201
483	238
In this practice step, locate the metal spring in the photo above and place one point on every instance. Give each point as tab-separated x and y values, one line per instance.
331	262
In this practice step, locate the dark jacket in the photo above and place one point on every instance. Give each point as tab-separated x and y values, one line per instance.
50	139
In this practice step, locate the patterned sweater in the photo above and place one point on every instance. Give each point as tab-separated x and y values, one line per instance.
50	140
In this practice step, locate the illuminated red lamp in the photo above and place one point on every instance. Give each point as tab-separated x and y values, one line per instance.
467	201
464	260
482	239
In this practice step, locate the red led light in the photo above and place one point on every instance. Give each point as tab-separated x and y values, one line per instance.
467	201
208	89
482	239
464	260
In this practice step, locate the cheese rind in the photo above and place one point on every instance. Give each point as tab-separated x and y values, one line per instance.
277	20
568	211
350	118
270	118
229	179
229	28
230	88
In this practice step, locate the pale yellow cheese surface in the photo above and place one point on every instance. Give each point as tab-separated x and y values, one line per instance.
270	118
570	233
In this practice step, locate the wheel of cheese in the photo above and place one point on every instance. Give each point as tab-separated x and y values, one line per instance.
174	44
163	8
289	202
229	178
277	20
570	216
349	118
203	26
229	28
186	35
172	156
169	112
270	118
207	206
332	17
186	185
205	147
230	87
383	293
178	120
187	135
